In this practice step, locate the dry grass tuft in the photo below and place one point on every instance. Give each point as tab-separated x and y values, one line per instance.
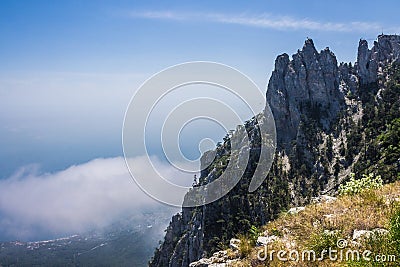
369	210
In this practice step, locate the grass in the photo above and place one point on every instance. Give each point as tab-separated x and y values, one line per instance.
320	225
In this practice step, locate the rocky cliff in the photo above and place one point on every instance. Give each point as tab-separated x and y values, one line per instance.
371	62
310	78
319	108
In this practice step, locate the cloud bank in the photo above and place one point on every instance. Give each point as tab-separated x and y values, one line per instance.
82	197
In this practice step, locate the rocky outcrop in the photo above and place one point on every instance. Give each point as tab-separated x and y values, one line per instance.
316	104
296	210
182	242
309	79
360	234
221	258
313	78
370	62
198	231
323	199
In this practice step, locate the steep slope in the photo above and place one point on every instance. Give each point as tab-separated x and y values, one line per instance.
359	229
321	110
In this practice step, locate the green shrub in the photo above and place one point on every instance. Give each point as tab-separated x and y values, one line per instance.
394	230
354	186
276	232
254	233
383	244
323	241
245	246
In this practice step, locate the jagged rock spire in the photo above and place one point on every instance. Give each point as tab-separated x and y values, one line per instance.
370	61
309	78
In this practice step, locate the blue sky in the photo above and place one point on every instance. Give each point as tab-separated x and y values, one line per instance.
69	68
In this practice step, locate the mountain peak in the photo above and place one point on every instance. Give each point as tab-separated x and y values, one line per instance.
309	44
309	78
370	61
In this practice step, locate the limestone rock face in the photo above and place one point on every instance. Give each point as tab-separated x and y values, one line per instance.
313	80
349	80
310	79
182	242
371	61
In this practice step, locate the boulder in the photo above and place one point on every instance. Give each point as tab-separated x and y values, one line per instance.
296	210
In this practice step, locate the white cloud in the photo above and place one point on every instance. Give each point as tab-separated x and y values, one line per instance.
268	21
161	15
90	195
291	23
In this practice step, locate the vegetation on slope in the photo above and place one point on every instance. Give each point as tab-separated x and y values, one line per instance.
369	220
380	125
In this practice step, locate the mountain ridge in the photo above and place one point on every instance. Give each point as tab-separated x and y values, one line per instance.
321	109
